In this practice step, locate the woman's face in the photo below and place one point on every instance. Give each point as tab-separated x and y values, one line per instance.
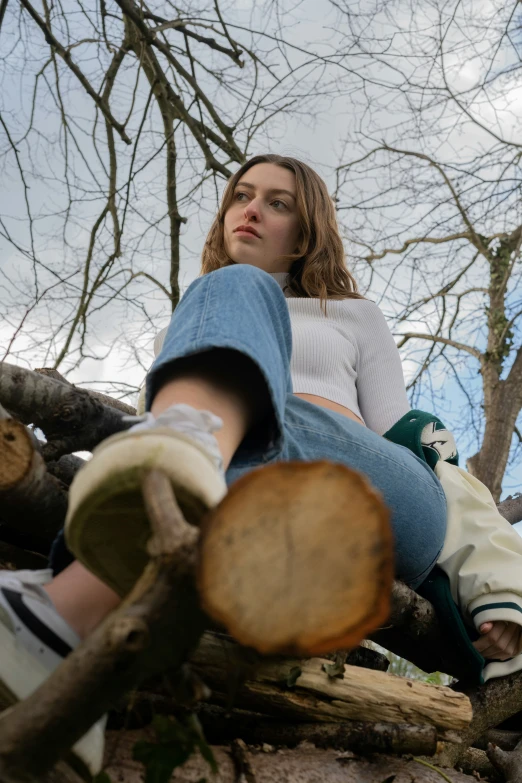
261	223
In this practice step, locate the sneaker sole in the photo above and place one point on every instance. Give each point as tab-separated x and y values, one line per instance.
20	675
107	527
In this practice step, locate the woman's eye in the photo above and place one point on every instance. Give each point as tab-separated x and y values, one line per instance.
281	204
239	196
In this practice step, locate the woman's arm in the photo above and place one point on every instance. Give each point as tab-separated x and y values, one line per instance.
380	381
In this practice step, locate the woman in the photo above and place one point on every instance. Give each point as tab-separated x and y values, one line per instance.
271	355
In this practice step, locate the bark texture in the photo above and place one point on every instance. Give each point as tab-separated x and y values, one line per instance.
509	763
502	397
507	740
50	372
475	762
221	727
511	508
71	419
492	703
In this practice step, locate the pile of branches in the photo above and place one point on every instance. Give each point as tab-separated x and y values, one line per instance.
339	717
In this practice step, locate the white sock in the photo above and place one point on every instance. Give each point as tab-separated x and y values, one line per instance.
198	424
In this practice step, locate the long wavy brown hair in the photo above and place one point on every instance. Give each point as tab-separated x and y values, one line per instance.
318	266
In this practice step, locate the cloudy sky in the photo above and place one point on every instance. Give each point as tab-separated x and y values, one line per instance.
336	113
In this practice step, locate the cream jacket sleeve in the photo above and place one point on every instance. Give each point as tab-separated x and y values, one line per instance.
482	556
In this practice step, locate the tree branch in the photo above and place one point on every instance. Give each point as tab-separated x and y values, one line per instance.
511	508
473	236
129	8
416	241
159	83
454	344
66	56
180	26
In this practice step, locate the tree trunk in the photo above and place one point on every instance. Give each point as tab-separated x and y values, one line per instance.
489	464
502	398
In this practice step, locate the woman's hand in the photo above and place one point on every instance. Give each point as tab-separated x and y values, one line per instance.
500	640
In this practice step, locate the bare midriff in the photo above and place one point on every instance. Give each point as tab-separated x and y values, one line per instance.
333	406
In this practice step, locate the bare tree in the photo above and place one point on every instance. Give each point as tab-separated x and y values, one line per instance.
431	208
133	115
118	122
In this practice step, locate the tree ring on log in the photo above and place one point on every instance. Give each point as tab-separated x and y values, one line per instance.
298	559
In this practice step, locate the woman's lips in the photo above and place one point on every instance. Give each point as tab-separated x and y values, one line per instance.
241	233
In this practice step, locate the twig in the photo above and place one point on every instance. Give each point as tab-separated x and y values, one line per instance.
244	769
434	768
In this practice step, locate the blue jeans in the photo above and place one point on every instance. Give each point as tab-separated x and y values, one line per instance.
242	308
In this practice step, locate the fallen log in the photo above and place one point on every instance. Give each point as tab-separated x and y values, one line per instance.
65	468
281	526
364	656
160	622
72	419
221	726
50	372
505	739
31	500
475	762
301	690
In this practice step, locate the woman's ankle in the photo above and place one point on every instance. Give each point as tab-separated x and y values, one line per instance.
223	381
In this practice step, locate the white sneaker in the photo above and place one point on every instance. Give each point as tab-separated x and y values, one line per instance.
107	527
34	640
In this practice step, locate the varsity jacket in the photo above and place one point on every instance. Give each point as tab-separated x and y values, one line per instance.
482	553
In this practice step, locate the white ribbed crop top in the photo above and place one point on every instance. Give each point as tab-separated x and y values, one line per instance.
349	357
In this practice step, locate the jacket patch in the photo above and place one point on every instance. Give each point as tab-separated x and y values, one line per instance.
435	437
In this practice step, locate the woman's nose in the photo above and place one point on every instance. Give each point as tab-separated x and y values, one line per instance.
252	211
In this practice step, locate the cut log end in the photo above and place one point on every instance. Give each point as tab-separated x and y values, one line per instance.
17	451
298	559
